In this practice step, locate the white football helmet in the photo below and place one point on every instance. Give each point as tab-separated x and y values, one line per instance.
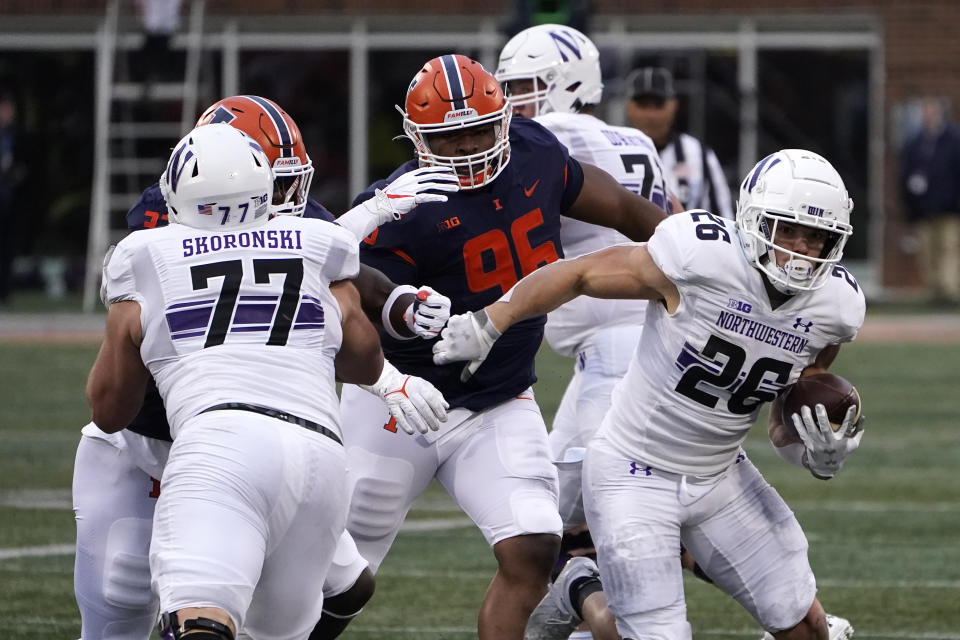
563	64
217	178
800	187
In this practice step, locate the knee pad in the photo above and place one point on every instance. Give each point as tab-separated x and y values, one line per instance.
126	580
379	502
535	511
193	629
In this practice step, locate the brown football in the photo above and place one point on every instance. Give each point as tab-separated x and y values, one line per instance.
835	393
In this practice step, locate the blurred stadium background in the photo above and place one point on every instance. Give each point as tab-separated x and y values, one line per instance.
837	76
753	76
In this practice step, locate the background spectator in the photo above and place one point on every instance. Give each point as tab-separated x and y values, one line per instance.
160	19
930	183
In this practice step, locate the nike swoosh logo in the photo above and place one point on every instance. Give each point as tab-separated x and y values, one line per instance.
529	192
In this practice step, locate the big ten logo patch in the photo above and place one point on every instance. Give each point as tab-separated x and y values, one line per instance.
449	223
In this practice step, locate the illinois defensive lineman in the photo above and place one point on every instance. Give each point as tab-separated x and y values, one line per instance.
516	180
740	311
219	308
111	576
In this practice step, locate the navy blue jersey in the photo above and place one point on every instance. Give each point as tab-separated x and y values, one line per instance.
473	248
151	211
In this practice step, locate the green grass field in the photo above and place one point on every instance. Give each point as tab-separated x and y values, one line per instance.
885	535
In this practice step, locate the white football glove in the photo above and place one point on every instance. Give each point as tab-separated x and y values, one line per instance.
413	402
398	198
103	275
428	313
468	336
826	449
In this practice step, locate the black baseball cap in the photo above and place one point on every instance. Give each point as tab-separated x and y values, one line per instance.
656	82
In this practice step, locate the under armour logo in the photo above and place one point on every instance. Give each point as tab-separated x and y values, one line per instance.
800	323
741	456
634	468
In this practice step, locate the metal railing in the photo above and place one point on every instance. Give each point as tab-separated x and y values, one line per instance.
745	36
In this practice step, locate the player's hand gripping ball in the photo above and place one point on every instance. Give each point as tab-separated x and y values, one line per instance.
835	393
825	411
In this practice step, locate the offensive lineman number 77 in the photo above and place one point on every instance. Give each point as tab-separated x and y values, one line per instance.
232	273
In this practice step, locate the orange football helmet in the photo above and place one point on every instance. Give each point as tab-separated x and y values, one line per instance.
453	92
278	135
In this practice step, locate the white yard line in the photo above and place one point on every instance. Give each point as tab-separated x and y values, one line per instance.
733	633
60	499
37	552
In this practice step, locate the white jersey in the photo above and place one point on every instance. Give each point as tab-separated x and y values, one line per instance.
695	176
631	158
239	316
701	375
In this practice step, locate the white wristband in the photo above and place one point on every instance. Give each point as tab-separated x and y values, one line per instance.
792	453
385	312
376	387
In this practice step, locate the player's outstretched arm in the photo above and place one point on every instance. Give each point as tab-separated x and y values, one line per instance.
399	198
118	379
623	271
406	312
606	202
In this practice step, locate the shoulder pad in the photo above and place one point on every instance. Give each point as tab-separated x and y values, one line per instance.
149	211
367	193
121	282
695	246
848	302
336	251
531	133
316	210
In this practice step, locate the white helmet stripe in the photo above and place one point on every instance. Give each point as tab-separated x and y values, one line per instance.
451	71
